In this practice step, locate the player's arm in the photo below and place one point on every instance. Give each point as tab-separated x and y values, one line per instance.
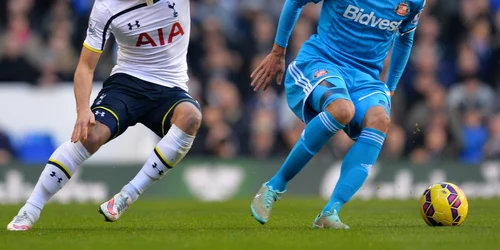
401	51
83	79
274	64
288	18
97	34
401	48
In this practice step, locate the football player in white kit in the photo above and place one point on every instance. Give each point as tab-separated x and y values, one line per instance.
148	86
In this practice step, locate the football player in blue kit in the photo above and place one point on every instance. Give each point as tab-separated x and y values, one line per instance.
334	85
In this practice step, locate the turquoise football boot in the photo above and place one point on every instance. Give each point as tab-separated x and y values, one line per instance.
329	220
262	203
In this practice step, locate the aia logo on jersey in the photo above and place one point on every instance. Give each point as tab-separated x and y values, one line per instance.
402	9
147	39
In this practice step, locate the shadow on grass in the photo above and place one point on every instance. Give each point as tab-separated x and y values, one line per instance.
231	229
190	228
159	228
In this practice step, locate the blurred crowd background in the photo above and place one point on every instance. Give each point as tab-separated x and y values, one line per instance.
445	107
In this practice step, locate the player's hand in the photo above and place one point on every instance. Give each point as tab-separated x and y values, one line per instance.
85	119
272	66
392	93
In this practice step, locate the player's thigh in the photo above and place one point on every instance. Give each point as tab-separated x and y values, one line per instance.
326	92
175	107
373	109
311	85
117	106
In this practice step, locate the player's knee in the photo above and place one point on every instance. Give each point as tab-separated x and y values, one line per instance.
378	119
92	143
342	110
193	122
187	117
97	136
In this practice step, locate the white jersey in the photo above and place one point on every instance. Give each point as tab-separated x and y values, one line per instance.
152	38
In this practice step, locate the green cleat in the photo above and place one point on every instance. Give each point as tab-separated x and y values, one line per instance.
329	220
263	203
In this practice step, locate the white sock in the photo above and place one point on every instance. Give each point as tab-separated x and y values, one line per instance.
63	163
167	153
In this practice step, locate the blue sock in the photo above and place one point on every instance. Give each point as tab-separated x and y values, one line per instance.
355	167
315	135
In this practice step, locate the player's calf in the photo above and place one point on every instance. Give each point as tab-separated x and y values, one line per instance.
62	165
166	155
168	152
359	160
342	110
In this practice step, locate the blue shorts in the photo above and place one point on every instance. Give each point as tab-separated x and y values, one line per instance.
311	85
126	100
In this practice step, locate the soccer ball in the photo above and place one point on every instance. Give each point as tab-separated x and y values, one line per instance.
444	204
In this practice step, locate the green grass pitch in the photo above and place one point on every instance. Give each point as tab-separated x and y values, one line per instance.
169	224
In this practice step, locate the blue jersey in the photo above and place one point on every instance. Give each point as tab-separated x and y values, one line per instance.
356	33
359	33
346	56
